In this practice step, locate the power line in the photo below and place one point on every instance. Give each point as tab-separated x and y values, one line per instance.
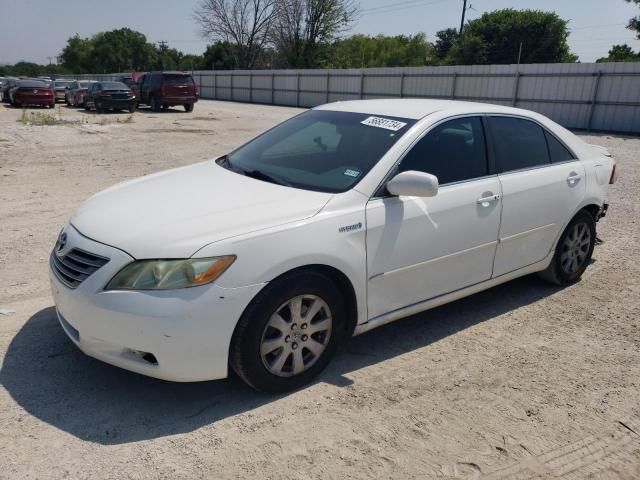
394	8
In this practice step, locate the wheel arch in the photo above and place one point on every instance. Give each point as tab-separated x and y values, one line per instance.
338	278
591	206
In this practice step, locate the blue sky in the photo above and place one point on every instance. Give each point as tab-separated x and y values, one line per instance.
36	29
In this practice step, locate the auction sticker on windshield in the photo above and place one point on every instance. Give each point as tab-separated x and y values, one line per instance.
385	123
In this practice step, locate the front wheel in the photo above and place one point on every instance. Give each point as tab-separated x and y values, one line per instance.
132	108
288	333
573	252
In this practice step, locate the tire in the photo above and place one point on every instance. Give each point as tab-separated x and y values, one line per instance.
132	108
255	334
99	107
165	106
155	104
52	104
188	107
573	252
87	107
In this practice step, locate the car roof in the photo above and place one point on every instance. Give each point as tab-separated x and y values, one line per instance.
416	108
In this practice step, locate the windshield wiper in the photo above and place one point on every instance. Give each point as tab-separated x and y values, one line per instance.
258	175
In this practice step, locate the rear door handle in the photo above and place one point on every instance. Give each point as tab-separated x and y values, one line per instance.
488	200
573	178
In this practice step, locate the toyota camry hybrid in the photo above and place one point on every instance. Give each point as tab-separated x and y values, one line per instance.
344	218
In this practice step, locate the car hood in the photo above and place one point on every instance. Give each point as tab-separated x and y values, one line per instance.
175	213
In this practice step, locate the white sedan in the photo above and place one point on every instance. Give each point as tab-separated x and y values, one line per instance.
339	220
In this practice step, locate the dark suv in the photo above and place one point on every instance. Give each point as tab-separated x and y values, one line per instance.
161	90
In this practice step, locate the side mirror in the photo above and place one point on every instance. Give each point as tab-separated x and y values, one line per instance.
413	184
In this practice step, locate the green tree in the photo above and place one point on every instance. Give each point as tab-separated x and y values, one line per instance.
362	51
122	50
495	38
634	23
445	40
303	30
76	55
620	53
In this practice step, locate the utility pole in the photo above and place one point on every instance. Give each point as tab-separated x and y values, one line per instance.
464	11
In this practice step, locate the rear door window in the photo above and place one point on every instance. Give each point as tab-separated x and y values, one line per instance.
519	144
557	151
453	151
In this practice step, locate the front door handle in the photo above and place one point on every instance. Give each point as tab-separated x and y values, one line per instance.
573	178
488	199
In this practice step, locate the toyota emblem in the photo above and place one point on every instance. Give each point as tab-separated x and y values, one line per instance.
35	91
62	241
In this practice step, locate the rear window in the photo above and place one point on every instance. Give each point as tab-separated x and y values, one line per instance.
84	84
114	86
31	83
176	78
63	83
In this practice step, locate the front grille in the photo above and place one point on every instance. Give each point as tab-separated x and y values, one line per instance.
75	266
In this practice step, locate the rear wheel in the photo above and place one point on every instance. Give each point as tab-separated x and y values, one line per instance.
573	252
52	104
288	333
132	108
99	107
188	107
155	104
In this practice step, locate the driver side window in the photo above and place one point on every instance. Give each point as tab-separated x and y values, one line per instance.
453	151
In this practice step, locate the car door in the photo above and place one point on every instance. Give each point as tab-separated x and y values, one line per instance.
420	248
144	88
539	195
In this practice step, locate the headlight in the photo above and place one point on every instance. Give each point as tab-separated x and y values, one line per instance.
169	274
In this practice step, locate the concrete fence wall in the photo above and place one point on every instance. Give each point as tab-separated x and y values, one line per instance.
590	96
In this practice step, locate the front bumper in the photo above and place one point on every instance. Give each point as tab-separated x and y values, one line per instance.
181	335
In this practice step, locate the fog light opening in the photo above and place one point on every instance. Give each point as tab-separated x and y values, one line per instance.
141	356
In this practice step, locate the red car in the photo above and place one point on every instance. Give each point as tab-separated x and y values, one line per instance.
32	92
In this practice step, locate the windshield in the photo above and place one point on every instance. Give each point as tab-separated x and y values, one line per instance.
63	83
114	86
319	150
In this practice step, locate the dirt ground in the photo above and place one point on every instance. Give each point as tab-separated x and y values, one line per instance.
522	381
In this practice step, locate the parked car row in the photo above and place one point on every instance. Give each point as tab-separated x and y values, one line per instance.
158	90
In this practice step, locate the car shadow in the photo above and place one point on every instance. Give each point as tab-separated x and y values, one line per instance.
53	381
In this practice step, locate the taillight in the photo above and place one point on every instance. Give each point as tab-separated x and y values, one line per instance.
614	173
195	87
163	90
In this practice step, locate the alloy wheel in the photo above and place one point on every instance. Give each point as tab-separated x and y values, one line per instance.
575	248
296	335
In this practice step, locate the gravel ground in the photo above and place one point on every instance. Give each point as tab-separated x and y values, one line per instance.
522	381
